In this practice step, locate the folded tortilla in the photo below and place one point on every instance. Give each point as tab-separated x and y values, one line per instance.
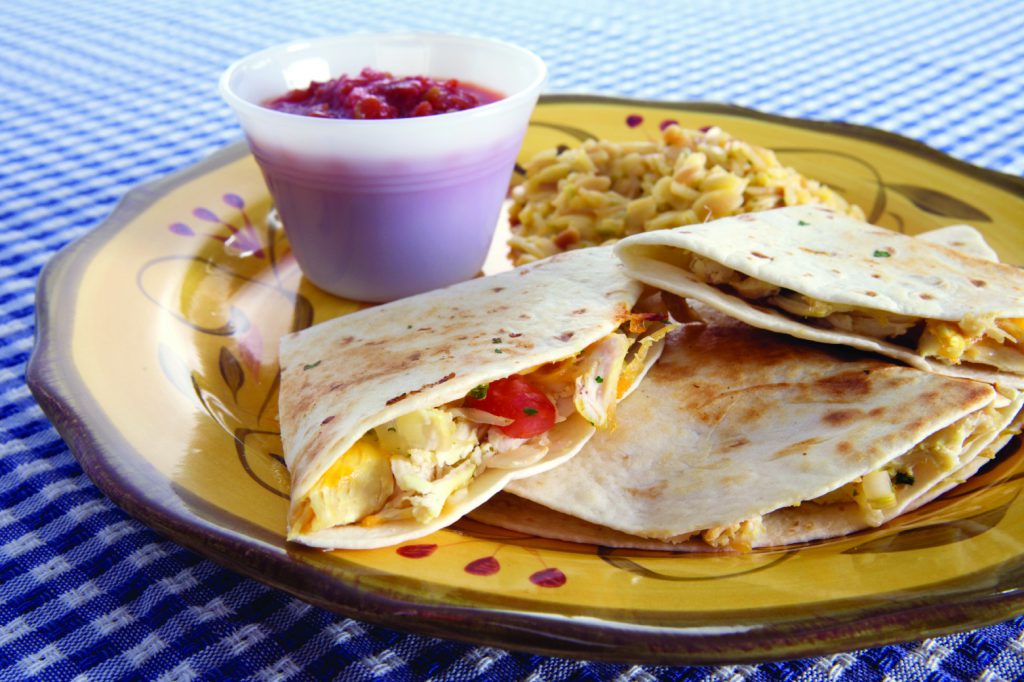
377	436
742	438
821	276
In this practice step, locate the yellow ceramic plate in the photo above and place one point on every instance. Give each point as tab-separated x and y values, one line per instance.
156	361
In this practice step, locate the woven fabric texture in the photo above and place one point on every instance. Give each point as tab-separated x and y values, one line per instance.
98	97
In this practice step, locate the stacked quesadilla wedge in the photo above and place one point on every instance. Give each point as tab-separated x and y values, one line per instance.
398	419
817	275
742	438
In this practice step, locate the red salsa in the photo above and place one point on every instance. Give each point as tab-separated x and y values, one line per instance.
378	94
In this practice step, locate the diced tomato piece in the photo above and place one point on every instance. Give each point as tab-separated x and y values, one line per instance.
516	398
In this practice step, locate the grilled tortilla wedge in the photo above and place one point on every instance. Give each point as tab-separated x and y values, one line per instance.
817	275
398	419
741	438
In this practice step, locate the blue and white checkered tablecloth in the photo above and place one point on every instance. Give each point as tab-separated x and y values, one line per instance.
97	97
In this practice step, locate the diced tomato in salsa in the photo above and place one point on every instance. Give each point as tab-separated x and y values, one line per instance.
516	398
377	94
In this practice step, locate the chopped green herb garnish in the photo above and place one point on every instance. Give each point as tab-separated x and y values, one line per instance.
903	478
497	350
599	379
311	365
480	392
802	222
495	340
882	254
529	411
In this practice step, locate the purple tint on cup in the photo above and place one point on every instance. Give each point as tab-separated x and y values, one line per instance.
381	209
385	232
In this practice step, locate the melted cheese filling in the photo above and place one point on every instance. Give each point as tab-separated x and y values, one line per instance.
981	339
930	460
412	466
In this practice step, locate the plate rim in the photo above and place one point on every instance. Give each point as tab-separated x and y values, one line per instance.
95	443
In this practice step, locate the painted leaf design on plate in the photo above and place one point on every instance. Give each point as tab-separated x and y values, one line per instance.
302	313
487	565
231	371
177	371
548	577
258	454
416	551
939	203
934	535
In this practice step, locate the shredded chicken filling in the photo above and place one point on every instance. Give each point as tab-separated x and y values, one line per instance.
879	490
940	452
410	467
982	339
740	536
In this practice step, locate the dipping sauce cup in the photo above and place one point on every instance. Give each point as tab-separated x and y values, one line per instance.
381	209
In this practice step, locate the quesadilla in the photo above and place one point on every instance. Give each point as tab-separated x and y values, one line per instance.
398	419
818	275
741	438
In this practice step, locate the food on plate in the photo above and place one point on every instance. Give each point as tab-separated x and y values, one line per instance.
398	419
375	211
813	273
740	438
378	94
604	191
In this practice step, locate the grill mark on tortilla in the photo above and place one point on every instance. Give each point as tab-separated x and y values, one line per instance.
403	396
758	254
800	448
327	420
565	336
842	417
649	493
978	283
855	383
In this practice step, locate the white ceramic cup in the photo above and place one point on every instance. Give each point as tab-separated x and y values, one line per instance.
381	209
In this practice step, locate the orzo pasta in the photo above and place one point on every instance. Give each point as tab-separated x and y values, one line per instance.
603	191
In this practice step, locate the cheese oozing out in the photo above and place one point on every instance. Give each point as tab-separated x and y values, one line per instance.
412	466
940	454
981	339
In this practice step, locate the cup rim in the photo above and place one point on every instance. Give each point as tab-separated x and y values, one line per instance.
236	101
